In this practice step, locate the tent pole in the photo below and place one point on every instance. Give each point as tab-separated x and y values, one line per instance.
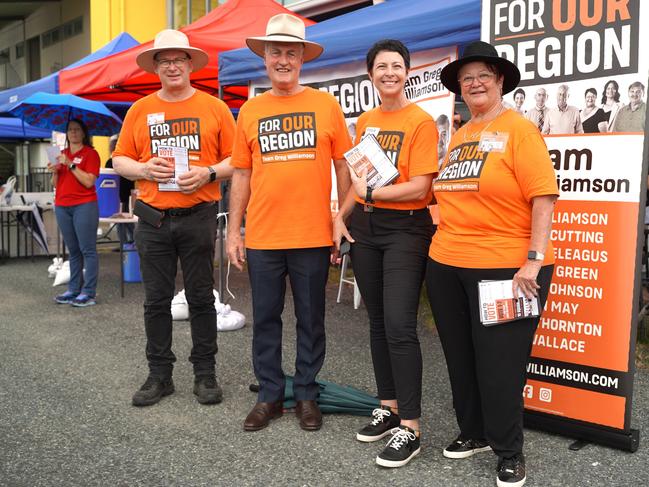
220	229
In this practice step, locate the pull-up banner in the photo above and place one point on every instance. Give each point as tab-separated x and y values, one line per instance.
584	66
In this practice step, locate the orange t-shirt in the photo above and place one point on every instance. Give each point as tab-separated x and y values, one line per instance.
485	198
202	123
289	142
406	136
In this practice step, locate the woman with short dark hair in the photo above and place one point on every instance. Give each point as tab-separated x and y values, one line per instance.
593	118
392	228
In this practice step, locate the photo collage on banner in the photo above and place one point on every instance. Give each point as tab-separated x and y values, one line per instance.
351	86
584	69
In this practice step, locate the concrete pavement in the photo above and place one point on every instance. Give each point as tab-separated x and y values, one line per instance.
67	376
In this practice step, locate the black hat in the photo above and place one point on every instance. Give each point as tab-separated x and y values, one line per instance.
481	51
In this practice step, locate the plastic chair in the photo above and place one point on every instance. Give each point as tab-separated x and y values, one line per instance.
348	280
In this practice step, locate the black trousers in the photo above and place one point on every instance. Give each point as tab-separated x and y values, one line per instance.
307	270
189	238
486	364
389	258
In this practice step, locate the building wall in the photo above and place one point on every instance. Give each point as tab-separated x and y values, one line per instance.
53	57
143	19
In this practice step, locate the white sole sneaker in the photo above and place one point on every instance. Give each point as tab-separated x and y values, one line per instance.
393	464
465	454
370	439
520	483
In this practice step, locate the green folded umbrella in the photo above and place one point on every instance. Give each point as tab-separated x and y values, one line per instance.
333	398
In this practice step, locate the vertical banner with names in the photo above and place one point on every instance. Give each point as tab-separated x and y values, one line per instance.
351	86
584	68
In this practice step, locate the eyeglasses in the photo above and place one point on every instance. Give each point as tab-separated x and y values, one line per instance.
483	78
179	62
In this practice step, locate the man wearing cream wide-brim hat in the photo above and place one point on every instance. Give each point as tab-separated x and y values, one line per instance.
284	146
177	212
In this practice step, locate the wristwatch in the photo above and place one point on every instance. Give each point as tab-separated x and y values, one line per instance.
534	255
212	174
368	196
72	167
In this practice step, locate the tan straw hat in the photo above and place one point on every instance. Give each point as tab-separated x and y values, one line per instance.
285	28
170	39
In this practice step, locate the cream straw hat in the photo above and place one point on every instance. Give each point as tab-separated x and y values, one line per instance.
285	28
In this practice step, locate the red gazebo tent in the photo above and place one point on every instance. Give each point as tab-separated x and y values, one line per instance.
118	77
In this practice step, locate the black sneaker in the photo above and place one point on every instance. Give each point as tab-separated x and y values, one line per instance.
511	471
207	390
383	420
462	448
152	391
402	447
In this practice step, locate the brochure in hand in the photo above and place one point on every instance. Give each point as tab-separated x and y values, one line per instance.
368	154
180	159
498	304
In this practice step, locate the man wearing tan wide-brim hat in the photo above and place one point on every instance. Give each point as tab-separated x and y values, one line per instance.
285	143
176	207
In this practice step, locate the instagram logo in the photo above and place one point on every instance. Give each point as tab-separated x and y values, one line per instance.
545	395
528	392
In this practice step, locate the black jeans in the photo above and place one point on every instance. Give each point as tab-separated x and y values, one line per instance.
189	238
307	270
486	364
389	259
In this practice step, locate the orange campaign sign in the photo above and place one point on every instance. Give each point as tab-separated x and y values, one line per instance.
583	84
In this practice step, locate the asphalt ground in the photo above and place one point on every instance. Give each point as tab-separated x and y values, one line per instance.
67	376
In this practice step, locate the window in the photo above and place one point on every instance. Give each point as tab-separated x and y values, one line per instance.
4	56
20	50
69	29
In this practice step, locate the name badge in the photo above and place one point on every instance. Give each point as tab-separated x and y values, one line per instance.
77	160
371	131
493	142
155	118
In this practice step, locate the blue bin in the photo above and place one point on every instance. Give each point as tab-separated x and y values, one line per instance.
107	186
131	264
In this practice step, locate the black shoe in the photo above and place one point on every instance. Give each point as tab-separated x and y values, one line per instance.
207	390
511	471
402	447
462	448
152	391
383	420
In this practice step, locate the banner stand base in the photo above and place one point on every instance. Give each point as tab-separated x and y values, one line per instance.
578	445
629	441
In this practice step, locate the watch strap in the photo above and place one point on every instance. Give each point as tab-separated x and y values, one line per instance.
368	196
212	173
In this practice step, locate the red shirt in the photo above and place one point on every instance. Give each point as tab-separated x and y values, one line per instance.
69	191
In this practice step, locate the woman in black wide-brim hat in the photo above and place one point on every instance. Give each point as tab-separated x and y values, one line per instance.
496	192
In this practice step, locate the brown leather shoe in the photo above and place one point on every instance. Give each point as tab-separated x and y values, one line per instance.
309	414
261	414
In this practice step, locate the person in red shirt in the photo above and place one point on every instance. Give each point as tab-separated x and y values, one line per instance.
77	213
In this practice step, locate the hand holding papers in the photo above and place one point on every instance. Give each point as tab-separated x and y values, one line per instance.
369	155
498	304
179	158
53	153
